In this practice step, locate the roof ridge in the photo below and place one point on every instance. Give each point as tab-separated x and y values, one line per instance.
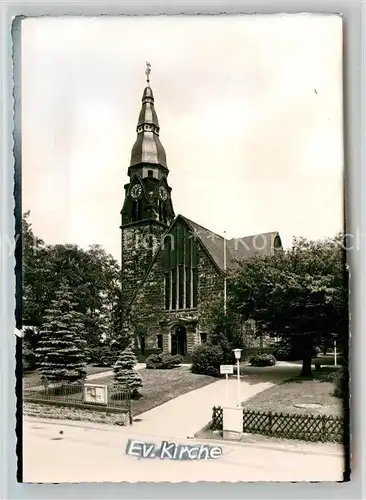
202	227
254	235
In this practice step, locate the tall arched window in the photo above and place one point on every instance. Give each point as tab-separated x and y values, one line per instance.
180	269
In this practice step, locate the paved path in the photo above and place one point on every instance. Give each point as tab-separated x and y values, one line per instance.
141	366
108	373
185	415
95	453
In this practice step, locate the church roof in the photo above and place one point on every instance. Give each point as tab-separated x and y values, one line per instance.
236	248
148	148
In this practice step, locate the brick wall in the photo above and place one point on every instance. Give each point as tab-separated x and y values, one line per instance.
211	288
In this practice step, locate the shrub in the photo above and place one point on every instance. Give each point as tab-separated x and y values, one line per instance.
262	360
102	356
291	349
163	361
206	360
282	351
141	357
316	351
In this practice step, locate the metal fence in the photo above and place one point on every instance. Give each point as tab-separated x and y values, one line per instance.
287	425
117	398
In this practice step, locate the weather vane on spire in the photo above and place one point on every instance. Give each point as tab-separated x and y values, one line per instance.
148	71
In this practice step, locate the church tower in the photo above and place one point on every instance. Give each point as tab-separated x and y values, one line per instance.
147	210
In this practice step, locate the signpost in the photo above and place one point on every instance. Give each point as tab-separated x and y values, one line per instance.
226	370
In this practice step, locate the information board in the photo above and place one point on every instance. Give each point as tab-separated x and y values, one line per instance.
97	394
226	369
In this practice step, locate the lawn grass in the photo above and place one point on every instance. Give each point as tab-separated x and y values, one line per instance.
33	379
160	386
282	398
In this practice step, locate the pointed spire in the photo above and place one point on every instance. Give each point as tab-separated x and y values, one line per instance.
148	114
148	148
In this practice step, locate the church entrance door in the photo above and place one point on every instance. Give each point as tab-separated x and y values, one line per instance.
179	341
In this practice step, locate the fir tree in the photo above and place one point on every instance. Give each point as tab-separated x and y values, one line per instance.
60	354
124	372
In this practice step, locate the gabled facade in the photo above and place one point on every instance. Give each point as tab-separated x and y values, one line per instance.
169	310
172	268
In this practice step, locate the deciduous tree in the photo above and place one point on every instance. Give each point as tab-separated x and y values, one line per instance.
226	331
302	291
92	275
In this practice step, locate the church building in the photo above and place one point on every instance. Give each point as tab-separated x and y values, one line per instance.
172	268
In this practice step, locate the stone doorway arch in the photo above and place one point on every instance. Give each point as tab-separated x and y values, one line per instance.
179	340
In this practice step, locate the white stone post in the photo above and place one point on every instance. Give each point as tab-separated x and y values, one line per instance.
232	422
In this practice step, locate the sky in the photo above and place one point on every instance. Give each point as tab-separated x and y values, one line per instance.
250	112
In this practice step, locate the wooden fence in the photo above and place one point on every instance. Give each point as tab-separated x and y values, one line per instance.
287	425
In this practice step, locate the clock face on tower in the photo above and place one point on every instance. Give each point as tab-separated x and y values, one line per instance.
163	193
136	191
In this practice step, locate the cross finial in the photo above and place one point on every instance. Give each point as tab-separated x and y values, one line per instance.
148	71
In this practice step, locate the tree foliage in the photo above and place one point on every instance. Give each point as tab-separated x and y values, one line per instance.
299	292
92	275
60	352
33	257
226	331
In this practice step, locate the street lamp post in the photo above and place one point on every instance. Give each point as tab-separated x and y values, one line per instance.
335	353
225	293
237	353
